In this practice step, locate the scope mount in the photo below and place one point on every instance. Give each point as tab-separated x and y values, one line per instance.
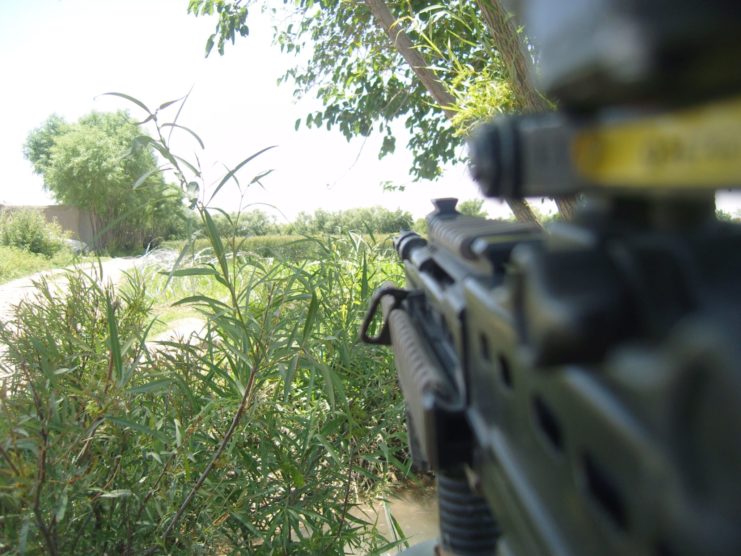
689	151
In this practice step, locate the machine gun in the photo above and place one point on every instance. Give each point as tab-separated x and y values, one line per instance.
578	391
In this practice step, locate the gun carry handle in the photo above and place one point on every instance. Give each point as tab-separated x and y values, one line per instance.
390	297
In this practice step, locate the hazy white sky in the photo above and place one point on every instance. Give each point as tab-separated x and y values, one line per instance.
57	56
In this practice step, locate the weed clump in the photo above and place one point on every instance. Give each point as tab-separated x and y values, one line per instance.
256	437
28	230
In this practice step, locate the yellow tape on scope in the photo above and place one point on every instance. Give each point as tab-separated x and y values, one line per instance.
696	148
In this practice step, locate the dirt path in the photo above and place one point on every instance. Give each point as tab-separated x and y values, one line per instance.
15	291
12	293
415	510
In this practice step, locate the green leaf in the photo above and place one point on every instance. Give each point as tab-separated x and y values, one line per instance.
186	247
147	140
364	284
231	173
293	473
215	238
190	167
310	316
141	179
113	339
178	435
136	101
197	271
192	190
169	103
136	426
180	108
151	387
61	507
261	175
330	449
210	301
186	129
23	534
290	374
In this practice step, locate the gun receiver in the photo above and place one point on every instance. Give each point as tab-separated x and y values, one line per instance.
577	391
583	384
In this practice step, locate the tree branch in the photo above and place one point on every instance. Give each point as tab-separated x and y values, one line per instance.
227	436
512	49
434	86
413	57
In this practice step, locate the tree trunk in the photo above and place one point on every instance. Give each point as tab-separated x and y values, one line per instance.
437	90
512	49
94	227
413	57
566	206
522	211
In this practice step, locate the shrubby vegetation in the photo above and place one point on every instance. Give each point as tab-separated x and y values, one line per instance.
28	230
104	164
256	437
472	207
726	216
29	244
249	223
367	220
17	263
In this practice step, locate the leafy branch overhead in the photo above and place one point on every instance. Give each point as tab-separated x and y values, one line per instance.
363	83
438	69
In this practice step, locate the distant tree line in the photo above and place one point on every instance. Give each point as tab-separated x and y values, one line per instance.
366	220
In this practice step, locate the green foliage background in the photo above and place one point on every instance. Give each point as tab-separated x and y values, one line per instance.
95	164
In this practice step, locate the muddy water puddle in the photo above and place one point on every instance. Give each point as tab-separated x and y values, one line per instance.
415	511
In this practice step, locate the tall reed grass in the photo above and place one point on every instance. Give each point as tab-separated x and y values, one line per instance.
257	437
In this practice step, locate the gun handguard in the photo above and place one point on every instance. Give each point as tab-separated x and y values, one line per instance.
426	388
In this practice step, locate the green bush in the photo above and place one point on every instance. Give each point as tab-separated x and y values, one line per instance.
253	222
67	461
28	230
253	439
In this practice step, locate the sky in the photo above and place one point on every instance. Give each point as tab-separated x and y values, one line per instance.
59	56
